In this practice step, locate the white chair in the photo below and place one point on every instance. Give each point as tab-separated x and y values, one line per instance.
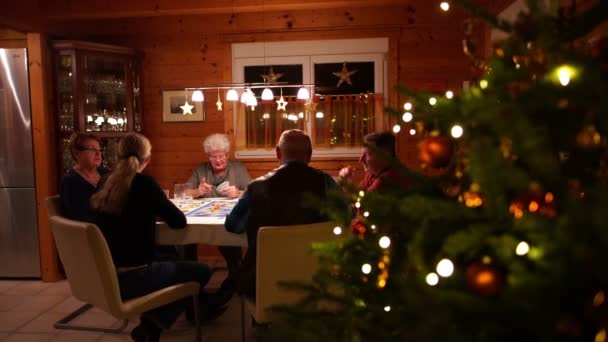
92	277
283	254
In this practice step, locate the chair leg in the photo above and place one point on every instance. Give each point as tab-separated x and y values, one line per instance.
197	318
64	323
243	318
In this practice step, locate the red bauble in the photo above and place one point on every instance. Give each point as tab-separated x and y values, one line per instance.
358	227
436	151
484	279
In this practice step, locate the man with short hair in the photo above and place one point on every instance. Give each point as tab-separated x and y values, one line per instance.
278	199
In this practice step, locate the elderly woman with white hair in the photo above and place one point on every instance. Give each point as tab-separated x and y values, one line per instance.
220	176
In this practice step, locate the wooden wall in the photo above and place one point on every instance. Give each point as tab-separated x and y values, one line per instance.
180	51
188	51
10	39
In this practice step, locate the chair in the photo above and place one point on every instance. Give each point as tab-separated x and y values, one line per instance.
53	205
92	276
279	250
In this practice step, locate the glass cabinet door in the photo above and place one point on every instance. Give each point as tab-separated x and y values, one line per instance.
105	101
65	92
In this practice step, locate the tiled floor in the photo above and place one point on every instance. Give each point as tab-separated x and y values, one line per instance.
28	310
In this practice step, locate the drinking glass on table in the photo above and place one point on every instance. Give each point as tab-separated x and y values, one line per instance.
183	194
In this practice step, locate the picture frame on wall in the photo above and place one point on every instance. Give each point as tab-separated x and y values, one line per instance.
173	99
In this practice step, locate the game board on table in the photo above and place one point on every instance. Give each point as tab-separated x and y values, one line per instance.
215	208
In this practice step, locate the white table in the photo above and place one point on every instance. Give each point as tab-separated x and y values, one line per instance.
207	230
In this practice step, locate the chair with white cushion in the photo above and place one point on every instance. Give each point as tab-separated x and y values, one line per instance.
284	253
92	276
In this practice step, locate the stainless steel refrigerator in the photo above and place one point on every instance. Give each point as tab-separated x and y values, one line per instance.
19	250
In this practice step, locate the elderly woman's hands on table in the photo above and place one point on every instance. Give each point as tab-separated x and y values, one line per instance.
231	191
203	189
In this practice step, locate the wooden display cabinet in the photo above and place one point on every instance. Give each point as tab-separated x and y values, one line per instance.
98	90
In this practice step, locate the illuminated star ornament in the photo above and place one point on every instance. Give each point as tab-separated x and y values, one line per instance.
344	75
311	107
281	103
271	77
186	108
219	101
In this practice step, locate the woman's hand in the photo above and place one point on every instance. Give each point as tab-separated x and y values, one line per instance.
230	191
204	188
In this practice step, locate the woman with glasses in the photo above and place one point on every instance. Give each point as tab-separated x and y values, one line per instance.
80	182
220	176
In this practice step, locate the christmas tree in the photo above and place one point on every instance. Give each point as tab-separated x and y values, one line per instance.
510	241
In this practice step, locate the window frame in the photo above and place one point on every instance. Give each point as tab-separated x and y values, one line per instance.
308	53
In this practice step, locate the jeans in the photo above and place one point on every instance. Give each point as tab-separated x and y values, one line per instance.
158	275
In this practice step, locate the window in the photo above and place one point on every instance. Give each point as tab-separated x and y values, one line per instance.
349	78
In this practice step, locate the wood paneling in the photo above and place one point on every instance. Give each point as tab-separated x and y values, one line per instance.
193	48
44	152
11	39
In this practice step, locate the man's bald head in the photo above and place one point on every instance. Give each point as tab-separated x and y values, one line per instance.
294	144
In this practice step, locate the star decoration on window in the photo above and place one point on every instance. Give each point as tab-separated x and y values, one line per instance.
219	104
281	103
311	107
344	75
186	108
271	76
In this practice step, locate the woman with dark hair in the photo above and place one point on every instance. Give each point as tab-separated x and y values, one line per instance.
80	182
127	206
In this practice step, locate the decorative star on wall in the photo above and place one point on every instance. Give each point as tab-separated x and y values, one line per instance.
281	103
271	76
219	104
186	108
344	75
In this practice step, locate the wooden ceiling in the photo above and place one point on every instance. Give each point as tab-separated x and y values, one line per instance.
40	15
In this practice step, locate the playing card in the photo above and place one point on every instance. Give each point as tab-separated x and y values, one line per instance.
223	186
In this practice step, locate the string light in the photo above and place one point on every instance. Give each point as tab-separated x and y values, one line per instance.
337	230
396	129
432	279
432	101
366	268
412	131
522	248
445	268
197	96
483	84
407	106
445	6
387	308
407	117
361	193
373	227
366	214
564	73
384	242
358	205
456	131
